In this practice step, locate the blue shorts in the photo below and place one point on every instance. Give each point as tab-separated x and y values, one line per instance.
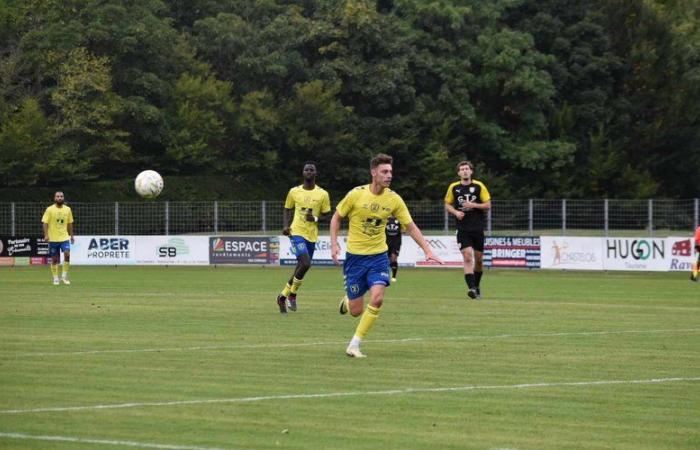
56	247
301	246
361	272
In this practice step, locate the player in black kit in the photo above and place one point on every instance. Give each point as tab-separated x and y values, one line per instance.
393	241
468	200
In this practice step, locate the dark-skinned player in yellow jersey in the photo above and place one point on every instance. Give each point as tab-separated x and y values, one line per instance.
306	204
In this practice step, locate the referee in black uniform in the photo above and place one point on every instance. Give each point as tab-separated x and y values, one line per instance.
468	200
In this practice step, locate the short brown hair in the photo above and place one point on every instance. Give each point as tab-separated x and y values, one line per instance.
465	163
380	158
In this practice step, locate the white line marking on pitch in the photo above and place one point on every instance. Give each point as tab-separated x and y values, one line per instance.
32	437
399	391
322	343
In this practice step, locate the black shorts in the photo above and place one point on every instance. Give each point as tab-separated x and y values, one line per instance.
473	239
394	244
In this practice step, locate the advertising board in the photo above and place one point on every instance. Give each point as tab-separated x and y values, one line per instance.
172	250
243	250
570	252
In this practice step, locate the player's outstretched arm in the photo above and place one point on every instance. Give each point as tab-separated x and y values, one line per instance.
413	231
335	229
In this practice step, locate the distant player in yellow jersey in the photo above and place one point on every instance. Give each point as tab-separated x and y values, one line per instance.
306	203
468	200
58	231
366	266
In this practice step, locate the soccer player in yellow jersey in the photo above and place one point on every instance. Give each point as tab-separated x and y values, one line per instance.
57	223
366	266
468	200
306	203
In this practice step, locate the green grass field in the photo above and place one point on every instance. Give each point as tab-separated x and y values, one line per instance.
200	358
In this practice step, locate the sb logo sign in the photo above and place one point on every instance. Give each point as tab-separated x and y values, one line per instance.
167	252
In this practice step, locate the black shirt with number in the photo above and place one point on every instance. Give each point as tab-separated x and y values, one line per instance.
474	192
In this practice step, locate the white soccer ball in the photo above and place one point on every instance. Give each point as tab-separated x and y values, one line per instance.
148	184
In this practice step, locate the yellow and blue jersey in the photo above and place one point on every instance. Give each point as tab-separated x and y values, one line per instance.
368	214
303	200
57	220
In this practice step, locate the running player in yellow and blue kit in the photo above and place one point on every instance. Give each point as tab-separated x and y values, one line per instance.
306	203
366	266
57	223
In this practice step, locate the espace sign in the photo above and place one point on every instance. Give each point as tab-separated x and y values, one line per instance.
100	250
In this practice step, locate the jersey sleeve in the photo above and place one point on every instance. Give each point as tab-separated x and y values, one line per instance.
70	216
326	203
402	214
484	196
46	218
347	203
449	196
289	202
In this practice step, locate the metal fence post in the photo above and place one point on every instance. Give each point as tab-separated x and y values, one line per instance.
488	221
12	215
563	217
650	217
446	221
606	216
167	218
116	218
530	216
263	208
697	213
216	217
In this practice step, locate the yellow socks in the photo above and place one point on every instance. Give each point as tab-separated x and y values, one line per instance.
296	284
367	321
292	288
287	289
54	270
66	266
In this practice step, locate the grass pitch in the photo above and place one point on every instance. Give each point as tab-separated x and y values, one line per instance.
200	358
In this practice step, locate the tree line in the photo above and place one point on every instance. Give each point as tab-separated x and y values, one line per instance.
549	98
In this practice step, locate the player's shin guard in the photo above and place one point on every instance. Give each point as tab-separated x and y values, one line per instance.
66	266
477	278
394	268
54	270
296	284
367	321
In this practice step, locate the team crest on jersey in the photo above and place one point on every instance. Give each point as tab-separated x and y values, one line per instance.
374	207
472	189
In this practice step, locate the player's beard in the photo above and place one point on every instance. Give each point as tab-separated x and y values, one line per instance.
59	202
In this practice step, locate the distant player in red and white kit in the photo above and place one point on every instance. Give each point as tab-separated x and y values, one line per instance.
696	265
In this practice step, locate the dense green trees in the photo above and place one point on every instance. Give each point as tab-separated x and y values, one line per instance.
550	98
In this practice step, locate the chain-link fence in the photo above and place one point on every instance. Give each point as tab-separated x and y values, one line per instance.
506	217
